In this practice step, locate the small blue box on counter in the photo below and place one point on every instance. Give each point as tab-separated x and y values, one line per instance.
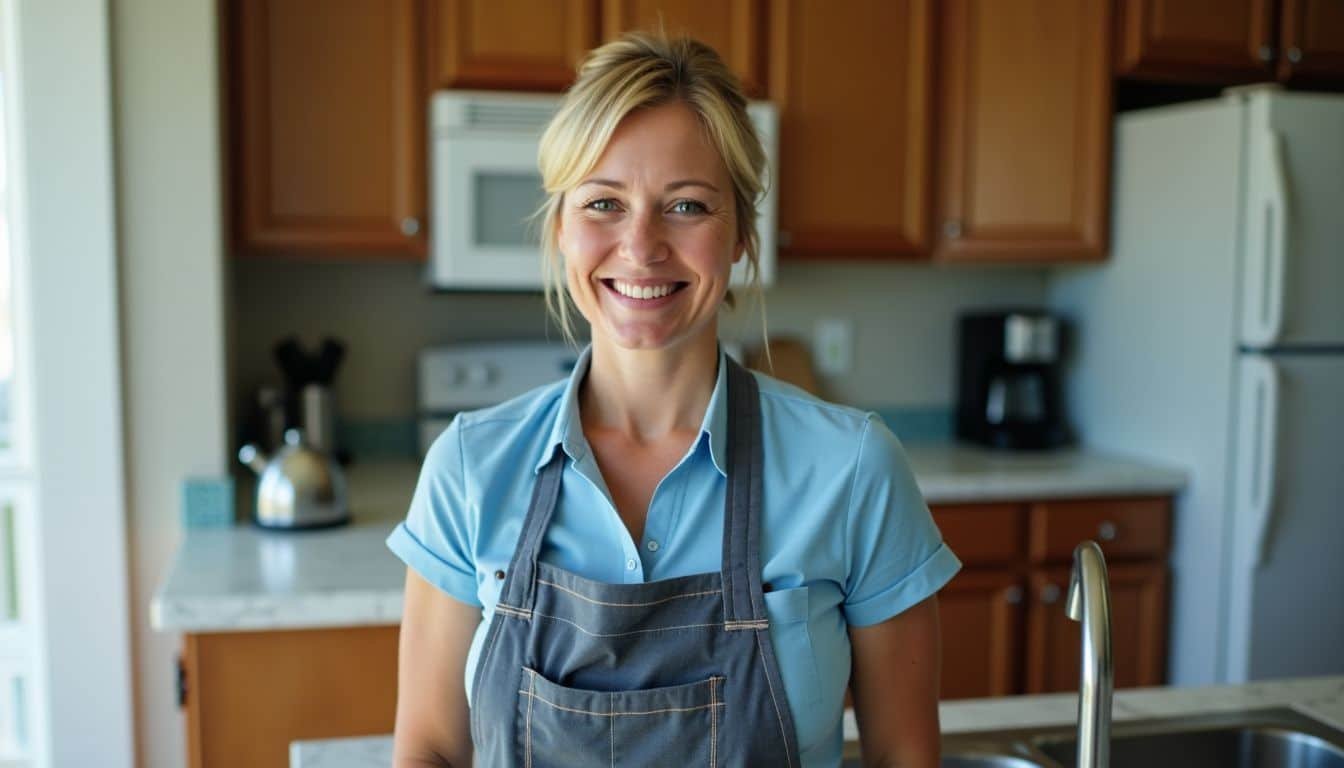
207	502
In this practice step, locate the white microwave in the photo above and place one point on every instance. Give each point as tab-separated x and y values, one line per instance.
484	188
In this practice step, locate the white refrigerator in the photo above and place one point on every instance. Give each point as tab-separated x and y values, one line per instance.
1214	339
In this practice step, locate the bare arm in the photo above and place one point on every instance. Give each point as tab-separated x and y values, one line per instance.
894	683
433	728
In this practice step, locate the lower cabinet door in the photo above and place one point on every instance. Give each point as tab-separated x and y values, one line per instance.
981	616
249	694
1138	628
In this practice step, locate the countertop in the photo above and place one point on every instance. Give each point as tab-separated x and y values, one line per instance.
1320	698
246	578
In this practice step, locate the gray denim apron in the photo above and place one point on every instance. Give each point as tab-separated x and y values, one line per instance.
680	672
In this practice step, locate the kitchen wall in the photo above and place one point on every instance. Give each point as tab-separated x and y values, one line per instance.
903	318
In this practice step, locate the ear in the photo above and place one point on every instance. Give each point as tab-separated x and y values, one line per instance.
739	251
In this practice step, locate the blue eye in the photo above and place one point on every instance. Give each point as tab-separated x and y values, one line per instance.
689	206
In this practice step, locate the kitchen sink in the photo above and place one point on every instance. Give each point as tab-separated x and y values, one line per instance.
969	760
1272	738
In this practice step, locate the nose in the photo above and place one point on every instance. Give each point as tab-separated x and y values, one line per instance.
643	241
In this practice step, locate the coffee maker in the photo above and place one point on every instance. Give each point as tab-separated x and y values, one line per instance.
1008	380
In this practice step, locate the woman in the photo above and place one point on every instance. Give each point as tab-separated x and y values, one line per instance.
679	562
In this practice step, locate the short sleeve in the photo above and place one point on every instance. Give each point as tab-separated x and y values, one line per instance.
436	539
896	556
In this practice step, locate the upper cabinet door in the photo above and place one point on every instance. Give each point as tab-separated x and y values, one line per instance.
1215	41
1313	41
328	123
853	83
734	28
509	44
1024	130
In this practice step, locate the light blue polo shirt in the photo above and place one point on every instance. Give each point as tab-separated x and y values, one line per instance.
846	536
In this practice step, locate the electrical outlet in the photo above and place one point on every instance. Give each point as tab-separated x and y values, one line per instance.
833	345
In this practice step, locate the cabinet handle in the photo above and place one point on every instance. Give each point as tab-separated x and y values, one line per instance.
1013	595
410	226
181	683
1294	54
1266	53
1107	531
952	229
1050	594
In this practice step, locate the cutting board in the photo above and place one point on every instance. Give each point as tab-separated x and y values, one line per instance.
792	363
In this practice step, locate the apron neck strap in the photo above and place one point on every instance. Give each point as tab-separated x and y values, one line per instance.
742	595
520	584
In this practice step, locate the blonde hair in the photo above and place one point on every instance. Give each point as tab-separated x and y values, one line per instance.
639	71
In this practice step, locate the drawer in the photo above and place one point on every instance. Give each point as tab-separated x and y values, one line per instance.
1124	528
983	534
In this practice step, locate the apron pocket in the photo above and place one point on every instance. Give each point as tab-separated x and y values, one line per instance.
561	727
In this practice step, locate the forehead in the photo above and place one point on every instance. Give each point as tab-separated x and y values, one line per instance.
659	142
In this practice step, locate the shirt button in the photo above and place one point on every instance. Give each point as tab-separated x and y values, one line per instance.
630	564
652	545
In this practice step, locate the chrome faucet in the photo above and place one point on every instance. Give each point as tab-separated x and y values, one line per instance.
1089	603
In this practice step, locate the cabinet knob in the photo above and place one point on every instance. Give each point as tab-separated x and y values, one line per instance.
1107	531
785	239
952	229
1295	54
410	226
1266	53
1013	595
1050	594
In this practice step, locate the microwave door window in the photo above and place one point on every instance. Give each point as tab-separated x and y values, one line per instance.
504	203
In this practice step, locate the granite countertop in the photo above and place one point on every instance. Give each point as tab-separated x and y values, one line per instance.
1320	698
246	578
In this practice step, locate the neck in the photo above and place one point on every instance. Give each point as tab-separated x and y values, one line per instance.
649	394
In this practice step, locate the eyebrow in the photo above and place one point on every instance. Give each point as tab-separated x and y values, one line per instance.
672	186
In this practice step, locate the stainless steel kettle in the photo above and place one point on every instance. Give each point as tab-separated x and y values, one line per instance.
299	487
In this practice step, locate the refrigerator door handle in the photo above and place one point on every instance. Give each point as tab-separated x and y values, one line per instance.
1274	258
1265	377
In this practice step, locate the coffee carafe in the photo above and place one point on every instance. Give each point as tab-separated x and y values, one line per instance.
1008	380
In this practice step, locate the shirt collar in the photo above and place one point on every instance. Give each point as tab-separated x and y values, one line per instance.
567	429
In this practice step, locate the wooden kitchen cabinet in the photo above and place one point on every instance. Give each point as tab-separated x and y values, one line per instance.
1224	42
1138	628
1004	628
249	694
734	28
853	85
327	123
1213	41
981	617
1024	111
1312	42
509	44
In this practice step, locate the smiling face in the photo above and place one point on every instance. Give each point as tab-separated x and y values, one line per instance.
649	237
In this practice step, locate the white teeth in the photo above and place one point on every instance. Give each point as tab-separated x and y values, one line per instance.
642	291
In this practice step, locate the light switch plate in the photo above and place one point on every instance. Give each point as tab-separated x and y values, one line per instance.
833	345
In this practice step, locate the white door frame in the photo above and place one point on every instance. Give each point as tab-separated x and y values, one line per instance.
65	251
